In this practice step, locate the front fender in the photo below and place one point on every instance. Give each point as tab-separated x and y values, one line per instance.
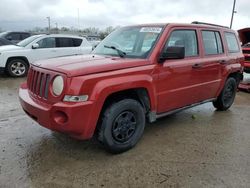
107	87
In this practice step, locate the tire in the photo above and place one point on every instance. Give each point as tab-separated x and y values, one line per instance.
227	95
17	68
122	126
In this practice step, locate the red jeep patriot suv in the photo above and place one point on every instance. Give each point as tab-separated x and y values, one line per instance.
137	74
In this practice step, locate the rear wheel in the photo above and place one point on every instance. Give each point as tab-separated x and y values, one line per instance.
17	68
122	125
226	98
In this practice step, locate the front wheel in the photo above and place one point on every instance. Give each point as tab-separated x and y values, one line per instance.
227	95
122	125
17	68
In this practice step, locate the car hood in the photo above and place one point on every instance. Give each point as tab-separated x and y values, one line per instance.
88	64
244	35
9	48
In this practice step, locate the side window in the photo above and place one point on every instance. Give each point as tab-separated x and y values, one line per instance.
212	42
1	43
219	43
47	43
13	36
24	35
232	42
64	42
77	42
185	38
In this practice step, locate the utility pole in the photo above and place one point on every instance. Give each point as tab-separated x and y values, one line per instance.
233	12
48	23
78	18
57	30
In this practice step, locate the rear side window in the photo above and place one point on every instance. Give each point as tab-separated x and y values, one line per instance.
212	42
185	38
64	42
77	42
232	42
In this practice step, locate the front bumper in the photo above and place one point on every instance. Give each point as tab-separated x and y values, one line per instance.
71	118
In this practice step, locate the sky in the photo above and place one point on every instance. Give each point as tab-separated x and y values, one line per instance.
28	14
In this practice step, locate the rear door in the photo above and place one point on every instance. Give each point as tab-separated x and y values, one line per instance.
210	69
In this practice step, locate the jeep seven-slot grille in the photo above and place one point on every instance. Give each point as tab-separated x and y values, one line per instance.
38	83
246	51
247	58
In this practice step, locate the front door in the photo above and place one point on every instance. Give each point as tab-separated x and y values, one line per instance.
47	49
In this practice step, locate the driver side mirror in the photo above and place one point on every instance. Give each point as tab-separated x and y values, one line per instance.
173	52
35	46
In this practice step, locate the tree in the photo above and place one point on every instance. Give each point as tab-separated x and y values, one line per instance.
107	31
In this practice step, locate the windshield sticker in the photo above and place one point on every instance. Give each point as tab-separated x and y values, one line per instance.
150	29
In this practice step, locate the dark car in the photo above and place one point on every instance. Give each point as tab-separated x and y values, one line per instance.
5	42
14	37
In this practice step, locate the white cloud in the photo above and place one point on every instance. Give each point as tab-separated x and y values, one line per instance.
21	14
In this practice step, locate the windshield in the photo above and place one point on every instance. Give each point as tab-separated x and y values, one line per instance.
133	42
28	40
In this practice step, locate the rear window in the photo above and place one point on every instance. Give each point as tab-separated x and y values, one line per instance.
212	42
25	35
14	36
232	42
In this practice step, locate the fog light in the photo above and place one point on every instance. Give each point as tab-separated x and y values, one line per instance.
80	98
60	117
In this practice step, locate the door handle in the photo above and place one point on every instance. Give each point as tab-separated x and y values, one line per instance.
223	62
197	65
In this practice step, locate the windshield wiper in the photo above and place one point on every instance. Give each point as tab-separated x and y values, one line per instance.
120	52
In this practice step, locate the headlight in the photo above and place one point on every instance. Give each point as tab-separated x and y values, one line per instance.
80	98
58	85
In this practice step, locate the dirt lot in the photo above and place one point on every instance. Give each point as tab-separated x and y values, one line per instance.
198	147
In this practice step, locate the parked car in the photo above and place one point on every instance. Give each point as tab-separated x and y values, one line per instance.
15	60
15	37
244	35
4	42
114	91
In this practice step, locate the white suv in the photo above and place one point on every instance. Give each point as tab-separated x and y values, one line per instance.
15	59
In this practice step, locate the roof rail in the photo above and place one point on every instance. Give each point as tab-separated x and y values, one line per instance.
196	22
